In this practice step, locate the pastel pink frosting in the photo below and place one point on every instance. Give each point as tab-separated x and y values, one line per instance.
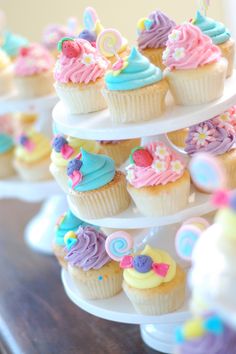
88	66
166	167
32	60
189	48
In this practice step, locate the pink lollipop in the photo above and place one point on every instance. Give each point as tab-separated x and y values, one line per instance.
118	245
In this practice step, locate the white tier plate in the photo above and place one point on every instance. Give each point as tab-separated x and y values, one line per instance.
12	103
28	191
98	125
119	308
131	218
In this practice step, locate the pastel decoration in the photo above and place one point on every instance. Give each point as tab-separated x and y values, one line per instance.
126	262
214	325
141	157
76	178
143	263
26	142
119	244
67	151
160	269
109	42
119	66
70	239
207	173
220	198
144	23
70	48
90	18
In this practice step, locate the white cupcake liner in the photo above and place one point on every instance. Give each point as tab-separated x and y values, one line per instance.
33	172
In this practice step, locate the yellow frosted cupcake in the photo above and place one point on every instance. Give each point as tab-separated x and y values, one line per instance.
153	282
6	156
6	73
32	157
64	150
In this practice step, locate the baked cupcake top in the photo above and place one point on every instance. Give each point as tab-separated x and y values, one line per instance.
4	59
65	149
12	43
65	223
53	33
79	62
149	269
213	136
206	334
86	249
188	48
32	147
153	31
90	171
132	72
214	29
33	60
153	165
6	143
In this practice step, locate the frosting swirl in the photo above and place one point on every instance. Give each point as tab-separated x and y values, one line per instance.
53	34
89	250
157	35
33	60
150	279
188	48
229	117
4	59
96	171
211	28
6	143
162	166
213	136
137	72
12	43
38	147
79	62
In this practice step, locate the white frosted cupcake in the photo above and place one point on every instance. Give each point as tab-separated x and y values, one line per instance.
6	73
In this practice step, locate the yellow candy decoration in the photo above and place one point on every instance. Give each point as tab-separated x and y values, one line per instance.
69	234
193	329
141	24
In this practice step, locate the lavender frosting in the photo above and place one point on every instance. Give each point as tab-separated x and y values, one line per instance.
211	136
157	35
89	251
211	343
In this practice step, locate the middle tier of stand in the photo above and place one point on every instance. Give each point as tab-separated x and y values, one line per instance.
98	125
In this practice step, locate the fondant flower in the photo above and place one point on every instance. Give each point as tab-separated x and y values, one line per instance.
166	53
88	59
203	136
161	152
176	166
130	173
159	166
174	35
179	53
119	66
225	117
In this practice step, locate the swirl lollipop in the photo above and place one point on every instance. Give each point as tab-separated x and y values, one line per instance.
90	18
118	245
109	42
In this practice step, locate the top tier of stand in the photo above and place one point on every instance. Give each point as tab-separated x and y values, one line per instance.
98	125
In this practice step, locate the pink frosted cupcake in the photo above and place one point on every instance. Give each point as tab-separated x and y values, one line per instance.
79	76
33	71
196	69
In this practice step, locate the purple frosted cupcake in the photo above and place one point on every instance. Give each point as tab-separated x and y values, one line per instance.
153	33
217	138
94	273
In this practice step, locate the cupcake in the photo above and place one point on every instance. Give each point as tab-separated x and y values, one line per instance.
206	334
217	138
24	121
158	181
93	272
79	76
118	150
6	74
153	34
66	223
220	36
33	72
12	44
7	124
32	157
63	151
96	189
196	70
6	156
135	90
178	137
229	117
153	282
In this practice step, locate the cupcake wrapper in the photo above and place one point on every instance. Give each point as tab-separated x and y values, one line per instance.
138	105
228	161
60	175
35	85
6	80
162	200
103	202
228	52
155	56
81	99
197	86
6	164
35	172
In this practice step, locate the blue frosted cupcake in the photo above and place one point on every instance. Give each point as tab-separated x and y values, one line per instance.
12	44
96	189
220	36
135	89
6	156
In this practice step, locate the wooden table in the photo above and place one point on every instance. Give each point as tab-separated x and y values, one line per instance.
36	317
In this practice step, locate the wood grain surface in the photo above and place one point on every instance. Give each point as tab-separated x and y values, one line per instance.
36	317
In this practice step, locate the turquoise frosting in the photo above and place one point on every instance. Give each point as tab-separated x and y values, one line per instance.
213	29
12	43
6	143
138	73
69	223
97	171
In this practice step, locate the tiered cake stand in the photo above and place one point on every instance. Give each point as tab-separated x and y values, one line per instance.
39	231
156	331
